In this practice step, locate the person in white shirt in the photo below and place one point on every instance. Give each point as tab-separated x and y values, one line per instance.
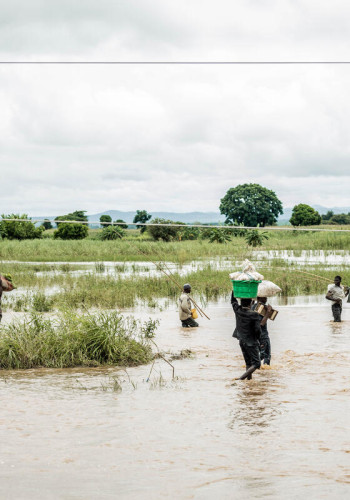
336	293
185	313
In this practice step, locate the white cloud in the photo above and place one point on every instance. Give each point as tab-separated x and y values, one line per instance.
171	137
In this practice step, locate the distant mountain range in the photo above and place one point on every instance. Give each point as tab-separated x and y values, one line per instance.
191	217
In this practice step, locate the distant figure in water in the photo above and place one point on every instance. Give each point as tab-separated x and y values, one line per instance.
248	332
185	312
265	344
336	293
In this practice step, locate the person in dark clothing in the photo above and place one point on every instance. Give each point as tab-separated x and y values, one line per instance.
265	344
248	332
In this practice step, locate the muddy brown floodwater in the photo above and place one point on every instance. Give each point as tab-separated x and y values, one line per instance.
67	434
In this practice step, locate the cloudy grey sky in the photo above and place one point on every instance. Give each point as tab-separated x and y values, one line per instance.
172	138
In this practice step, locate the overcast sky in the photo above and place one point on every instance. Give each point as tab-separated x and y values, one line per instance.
172	138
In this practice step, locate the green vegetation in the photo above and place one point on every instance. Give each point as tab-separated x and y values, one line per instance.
304	215
71	339
331	218
135	247
47	224
163	232
252	205
219	235
71	231
78	215
19	230
105	220
121	223
255	238
143	217
98	291
112	233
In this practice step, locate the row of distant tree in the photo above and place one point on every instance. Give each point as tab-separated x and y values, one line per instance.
249	205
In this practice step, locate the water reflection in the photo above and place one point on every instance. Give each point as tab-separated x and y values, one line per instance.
255	406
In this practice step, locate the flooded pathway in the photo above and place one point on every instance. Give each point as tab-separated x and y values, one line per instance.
68	434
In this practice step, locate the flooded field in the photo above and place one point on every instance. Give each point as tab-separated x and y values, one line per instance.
329	258
104	433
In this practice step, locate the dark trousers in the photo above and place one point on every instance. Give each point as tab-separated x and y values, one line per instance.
251	354
336	310
189	322
265	349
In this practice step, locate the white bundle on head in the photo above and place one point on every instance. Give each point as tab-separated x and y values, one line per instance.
268	289
248	273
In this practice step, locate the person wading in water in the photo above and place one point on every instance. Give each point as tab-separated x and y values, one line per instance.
248	332
265	344
337	293
185	312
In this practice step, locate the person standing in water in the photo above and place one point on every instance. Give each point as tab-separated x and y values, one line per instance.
185	312
336	293
265	344
248	332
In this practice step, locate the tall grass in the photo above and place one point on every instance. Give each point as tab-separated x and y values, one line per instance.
73	339
178	251
108	292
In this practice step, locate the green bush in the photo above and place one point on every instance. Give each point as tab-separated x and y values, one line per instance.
74	231
75	340
304	215
217	235
112	233
19	230
161	232
255	238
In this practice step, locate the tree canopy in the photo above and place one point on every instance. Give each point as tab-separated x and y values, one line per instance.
251	205
142	216
304	215
77	215
105	220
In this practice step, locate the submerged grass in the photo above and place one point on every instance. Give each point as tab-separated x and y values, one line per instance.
108	292
71	339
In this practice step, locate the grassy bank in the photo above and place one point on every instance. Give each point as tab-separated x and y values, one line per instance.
135	249
75	340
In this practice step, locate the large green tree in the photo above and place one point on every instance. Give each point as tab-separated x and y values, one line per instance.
142	216
251	205
304	215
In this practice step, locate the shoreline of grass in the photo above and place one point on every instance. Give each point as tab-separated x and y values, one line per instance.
72	340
